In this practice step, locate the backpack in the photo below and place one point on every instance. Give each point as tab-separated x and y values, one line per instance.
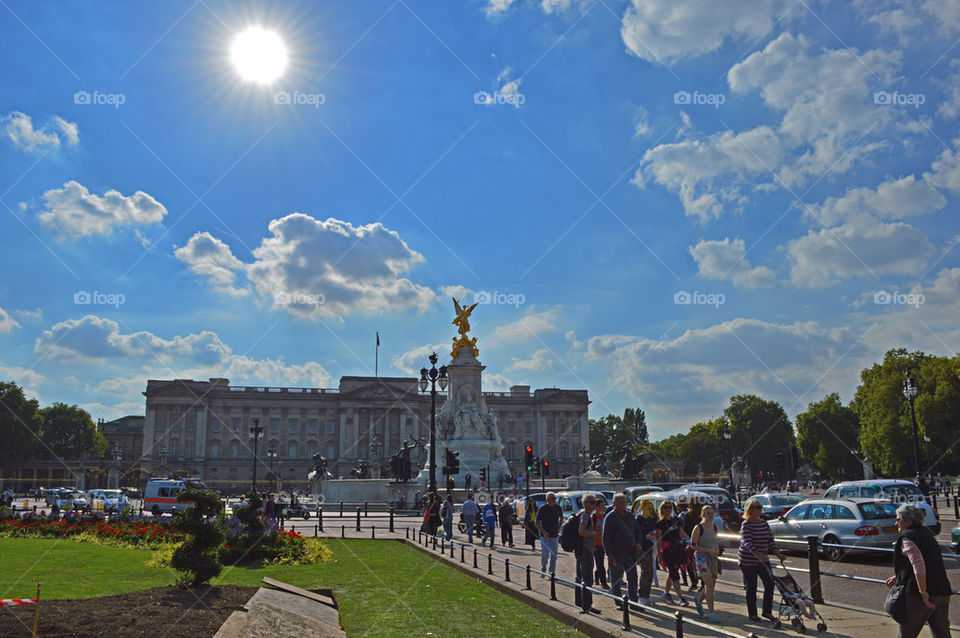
570	534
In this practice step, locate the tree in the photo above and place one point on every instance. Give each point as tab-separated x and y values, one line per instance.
827	436
609	433
20	423
199	554
886	430
758	430
68	431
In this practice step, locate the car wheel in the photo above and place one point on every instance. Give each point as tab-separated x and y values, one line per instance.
156	510
832	553
306	516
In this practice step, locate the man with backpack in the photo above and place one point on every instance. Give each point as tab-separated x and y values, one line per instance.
583	546
620	543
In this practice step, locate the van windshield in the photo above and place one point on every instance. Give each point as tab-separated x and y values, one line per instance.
195	484
901	491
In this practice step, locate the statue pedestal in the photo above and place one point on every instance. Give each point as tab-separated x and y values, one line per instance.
475	454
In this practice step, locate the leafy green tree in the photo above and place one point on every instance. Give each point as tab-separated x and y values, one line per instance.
199	554
68	431
759	429
20	423
609	433
827	436
886	430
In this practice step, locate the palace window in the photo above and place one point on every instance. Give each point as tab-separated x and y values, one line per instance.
294	424
274	426
312	426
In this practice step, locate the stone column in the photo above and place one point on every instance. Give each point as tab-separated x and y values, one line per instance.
149	425
200	440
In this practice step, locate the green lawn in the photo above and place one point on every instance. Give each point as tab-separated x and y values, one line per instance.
383	588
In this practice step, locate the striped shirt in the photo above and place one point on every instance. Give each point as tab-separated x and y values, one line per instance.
755	536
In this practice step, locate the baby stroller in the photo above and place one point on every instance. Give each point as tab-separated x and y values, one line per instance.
789	605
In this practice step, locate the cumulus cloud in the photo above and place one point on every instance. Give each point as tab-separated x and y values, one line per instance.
860	247
537	362
18	128
313	268
411	361
95	340
531	324
29	380
727	260
211	258
497	7
457	292
7	323
27	315
892	199
667	30
75	211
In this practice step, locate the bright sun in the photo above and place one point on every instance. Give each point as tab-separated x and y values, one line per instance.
258	55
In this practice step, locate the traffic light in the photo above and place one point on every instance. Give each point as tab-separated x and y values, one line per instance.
780	460
453	462
546	467
483	474
795	453
528	458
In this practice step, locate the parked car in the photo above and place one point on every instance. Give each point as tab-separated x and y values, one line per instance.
895	491
112	500
723	501
572	502
638	490
864	522
777	503
955	540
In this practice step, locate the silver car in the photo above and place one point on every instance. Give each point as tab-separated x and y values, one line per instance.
777	503
862	522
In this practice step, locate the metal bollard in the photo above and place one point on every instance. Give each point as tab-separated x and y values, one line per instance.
625	603
443	545
528	587
490	564
316	531
506	570
553	587
461	553
358	518
406	533
475	558
391	520
341	508
434	542
366	508
816	591
679	625
956	508
451	548
320	517
343	531
373	531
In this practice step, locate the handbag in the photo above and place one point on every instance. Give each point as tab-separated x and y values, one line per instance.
896	603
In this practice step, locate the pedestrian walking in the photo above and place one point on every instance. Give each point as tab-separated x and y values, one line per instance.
434	509
490	523
589	534
467	481
469	511
756	543
673	554
446	513
918	563
506	522
530	532
549	519
599	557
620	544
691	518
646	538
703	540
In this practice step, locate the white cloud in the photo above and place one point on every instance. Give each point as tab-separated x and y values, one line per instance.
892	199
18	128
313	268
95	340
211	258
497	7
29	380
7	323
411	361
531	324
537	362
575	343
666	30
945	170
73	210
863	246
496	383
27	315
727	259
457	292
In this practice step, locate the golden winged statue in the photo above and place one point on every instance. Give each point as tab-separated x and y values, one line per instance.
462	322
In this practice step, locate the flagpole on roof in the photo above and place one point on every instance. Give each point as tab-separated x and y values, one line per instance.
376	363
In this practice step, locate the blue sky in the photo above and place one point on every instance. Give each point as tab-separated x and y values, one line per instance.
663	205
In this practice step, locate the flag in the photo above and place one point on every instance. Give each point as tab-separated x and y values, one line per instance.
378	338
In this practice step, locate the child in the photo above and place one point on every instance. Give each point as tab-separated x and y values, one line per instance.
799	600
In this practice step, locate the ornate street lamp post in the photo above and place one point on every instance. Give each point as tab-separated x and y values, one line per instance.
430	378
910	393
726	444
256	433
272	453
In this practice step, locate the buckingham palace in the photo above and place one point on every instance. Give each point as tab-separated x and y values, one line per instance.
201	428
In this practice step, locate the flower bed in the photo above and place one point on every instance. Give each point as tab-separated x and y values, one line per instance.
131	533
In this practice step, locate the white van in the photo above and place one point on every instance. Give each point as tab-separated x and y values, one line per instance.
160	495
888	490
107	500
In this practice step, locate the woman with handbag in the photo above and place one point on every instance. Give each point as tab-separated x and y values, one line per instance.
919	591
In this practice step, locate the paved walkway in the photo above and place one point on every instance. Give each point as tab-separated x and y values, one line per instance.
842	620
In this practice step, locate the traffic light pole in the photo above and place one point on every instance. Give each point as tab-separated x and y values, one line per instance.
527	483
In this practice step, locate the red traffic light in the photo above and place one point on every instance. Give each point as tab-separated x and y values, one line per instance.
529	448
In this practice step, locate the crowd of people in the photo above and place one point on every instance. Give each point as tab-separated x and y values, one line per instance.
615	547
